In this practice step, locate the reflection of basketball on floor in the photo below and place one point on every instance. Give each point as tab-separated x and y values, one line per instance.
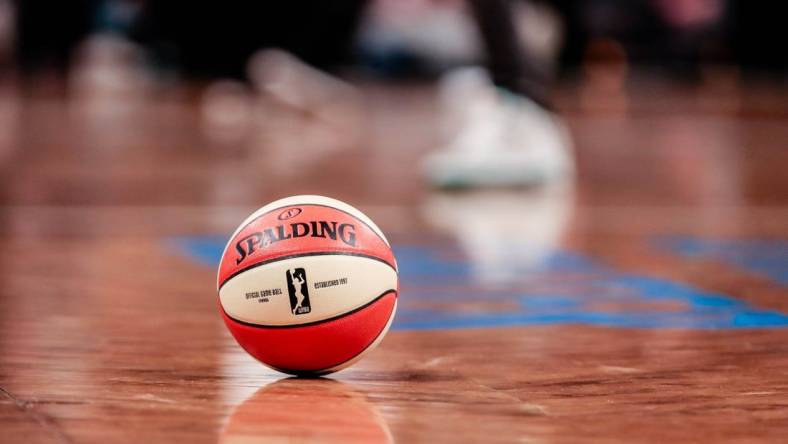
305	411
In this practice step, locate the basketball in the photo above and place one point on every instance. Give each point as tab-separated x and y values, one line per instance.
307	285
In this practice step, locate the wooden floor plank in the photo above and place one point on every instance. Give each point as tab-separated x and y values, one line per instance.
643	304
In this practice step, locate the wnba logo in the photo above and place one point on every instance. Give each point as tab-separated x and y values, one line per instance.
298	290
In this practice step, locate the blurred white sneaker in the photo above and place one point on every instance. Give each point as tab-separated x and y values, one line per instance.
496	139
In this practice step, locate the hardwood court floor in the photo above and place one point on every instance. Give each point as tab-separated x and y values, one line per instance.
647	303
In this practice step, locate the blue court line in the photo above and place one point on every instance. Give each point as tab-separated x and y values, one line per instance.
768	258
440	290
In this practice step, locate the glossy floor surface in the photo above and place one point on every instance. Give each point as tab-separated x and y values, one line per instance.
645	302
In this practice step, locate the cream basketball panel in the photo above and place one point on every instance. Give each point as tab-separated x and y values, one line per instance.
335	285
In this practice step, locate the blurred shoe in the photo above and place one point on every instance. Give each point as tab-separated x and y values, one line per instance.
324	102
291	82
496	139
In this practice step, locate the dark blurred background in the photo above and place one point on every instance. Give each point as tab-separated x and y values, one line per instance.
42	40
147	91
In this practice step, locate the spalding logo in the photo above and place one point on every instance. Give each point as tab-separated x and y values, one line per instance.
260	239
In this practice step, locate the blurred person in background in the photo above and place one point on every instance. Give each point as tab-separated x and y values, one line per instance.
499	126
497	138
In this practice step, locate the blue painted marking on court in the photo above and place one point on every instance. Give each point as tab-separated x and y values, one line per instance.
205	249
768	258
440	289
